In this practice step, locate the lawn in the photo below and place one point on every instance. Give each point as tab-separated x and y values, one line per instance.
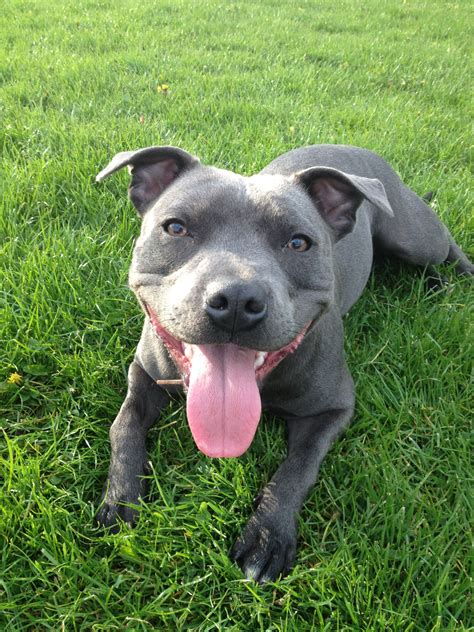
384	538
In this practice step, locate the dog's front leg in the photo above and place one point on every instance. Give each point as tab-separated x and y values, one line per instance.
267	546
128	463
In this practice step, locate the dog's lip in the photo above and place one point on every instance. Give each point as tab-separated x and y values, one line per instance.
181	352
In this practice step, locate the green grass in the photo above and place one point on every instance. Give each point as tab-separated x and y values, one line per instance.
384	538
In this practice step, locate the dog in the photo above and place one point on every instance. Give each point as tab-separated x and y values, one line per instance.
244	282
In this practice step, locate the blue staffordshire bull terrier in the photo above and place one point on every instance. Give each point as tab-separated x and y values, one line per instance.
244	282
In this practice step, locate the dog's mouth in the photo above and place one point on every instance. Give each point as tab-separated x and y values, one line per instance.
223	401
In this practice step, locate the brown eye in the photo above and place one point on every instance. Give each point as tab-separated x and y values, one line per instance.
175	228
299	243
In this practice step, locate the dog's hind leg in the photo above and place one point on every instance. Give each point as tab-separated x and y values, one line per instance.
416	235
456	255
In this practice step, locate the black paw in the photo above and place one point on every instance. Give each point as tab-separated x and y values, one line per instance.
111	514
434	280
119	505
266	549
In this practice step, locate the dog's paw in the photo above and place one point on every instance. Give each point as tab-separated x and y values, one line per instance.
119	504
111	514
266	549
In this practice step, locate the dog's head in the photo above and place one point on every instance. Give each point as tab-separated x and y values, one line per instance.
232	271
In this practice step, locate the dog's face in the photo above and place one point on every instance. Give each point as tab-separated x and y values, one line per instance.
232	272
227	259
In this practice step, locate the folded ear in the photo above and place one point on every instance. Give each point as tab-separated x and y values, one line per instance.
338	195
152	170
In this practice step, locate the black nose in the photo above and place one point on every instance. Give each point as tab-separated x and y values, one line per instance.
237	307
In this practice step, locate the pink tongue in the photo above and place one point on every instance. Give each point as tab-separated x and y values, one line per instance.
223	402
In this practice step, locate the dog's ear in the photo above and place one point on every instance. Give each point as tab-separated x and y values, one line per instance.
338	195
152	170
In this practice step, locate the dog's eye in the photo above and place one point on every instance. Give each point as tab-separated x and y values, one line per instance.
300	243
175	228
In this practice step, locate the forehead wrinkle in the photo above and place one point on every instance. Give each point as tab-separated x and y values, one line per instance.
215	190
283	205
271	194
275	185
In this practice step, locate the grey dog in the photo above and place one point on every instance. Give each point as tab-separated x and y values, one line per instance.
244	282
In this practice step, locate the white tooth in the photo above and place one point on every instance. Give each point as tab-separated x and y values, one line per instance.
259	359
